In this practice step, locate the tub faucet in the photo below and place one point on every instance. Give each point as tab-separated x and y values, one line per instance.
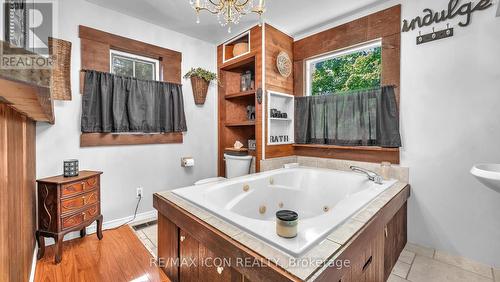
372	176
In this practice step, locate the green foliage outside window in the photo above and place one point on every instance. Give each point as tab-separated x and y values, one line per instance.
356	71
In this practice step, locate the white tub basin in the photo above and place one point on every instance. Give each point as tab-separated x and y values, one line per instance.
488	174
323	199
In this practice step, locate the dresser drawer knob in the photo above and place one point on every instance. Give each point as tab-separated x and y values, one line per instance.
183	238
220	269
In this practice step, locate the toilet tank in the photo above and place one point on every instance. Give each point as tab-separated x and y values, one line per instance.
237	165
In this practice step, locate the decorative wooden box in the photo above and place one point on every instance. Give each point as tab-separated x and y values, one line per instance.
67	204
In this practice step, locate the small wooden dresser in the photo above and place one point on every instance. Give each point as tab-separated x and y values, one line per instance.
67	204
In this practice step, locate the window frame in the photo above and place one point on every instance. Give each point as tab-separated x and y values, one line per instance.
135	58
335	54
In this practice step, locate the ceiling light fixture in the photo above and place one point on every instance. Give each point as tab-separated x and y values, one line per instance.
228	12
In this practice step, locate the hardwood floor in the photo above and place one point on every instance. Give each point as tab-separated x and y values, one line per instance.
120	256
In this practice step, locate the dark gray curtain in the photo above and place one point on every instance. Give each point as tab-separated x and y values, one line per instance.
358	118
114	103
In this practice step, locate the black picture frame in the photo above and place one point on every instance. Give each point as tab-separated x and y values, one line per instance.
16	21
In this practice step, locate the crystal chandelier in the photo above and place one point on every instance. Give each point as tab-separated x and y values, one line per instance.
228	12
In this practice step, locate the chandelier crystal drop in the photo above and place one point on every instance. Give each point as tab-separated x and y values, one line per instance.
229	12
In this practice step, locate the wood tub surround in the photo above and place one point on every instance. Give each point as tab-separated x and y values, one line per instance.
95	55
371	241
67	204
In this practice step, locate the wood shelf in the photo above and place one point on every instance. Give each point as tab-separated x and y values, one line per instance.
234	150
240	94
240	123
239	62
336	147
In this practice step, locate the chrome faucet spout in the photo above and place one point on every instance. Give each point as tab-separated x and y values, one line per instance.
372	176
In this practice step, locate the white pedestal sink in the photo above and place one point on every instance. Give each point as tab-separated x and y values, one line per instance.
488	174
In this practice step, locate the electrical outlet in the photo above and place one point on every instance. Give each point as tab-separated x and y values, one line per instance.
139	192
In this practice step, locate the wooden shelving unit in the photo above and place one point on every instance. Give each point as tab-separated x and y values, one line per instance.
232	106
234	124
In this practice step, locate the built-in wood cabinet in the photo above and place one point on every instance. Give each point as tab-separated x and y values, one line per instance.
201	264
367	264
395	237
195	262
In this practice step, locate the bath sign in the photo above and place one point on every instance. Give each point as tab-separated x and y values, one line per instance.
455	9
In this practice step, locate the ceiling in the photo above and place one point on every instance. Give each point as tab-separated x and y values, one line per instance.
290	16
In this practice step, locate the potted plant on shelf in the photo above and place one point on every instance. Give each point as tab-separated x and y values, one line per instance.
200	80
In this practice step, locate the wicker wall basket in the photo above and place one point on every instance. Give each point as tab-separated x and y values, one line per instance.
61	70
200	89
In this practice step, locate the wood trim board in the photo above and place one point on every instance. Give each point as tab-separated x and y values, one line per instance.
108	139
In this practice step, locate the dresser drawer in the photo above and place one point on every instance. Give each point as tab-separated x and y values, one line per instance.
79	187
69	205
80	217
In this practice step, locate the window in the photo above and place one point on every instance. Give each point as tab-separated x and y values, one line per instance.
350	69
126	64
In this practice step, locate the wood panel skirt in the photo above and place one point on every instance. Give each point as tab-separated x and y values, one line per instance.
67	204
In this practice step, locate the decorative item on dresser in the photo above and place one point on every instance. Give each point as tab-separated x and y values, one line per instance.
67	204
70	168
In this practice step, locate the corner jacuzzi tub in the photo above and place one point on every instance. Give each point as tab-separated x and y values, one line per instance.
323	198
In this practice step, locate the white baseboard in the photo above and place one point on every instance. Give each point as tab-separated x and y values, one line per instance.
141	217
33	264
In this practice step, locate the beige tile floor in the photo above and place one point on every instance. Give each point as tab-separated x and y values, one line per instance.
415	264
149	237
419	264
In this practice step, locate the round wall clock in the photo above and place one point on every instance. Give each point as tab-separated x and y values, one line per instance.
284	64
